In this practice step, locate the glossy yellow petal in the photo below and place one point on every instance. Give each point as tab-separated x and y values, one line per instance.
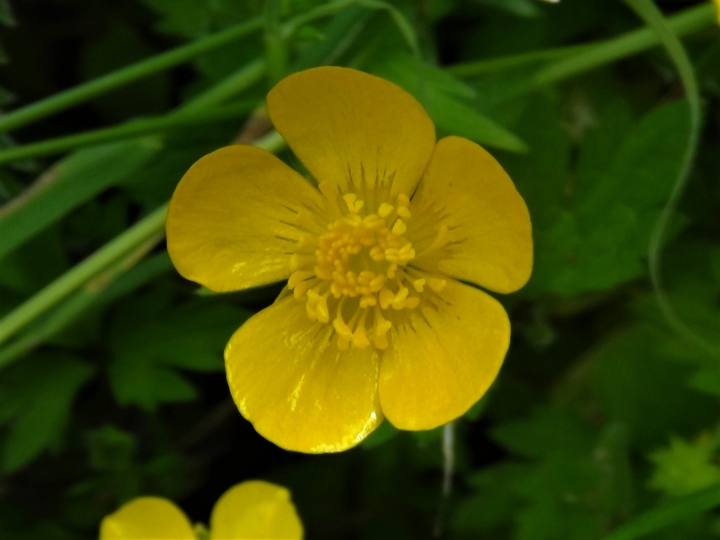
717	9
349	127
489	237
255	510
443	357
230	223
147	518
296	387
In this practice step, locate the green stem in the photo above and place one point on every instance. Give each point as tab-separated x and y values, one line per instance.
482	67
576	59
96	87
667	514
78	275
648	11
118	248
687	22
275	47
101	290
124	131
230	86
189	114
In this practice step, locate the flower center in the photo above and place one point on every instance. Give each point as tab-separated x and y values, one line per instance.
354	271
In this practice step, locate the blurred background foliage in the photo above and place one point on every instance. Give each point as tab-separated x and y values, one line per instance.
604	420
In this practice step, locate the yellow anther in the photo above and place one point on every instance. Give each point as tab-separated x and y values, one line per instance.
298	260
341	328
385	210
412	302
403	200
399	228
359	338
352	203
377	283
419	285
403	212
398	301
380	329
297	277
350	199
437	284
301	288
321	309
386	297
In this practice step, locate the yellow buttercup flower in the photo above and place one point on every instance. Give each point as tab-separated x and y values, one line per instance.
249	511
375	321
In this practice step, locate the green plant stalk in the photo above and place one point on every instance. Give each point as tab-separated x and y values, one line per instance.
492	65
648	11
113	251
124	131
101	85
98	291
190	113
687	22
576	59
233	84
667	514
83	272
276	55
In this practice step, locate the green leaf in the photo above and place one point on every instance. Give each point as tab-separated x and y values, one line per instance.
568	485
547	432
684	468
636	386
67	185
592	228
151	339
37	395
439	93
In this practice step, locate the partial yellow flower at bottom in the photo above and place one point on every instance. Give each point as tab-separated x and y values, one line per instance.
249	511
375	321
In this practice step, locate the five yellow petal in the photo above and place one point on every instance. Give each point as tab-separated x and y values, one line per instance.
444	359
228	224
348	127
239	213
489	238
297	388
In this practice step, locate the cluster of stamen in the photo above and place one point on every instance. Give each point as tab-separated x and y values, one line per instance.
354	271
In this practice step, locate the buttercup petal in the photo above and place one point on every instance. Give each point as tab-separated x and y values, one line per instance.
489	238
147	518
443	358
349	127
255	510
296	387
230	221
